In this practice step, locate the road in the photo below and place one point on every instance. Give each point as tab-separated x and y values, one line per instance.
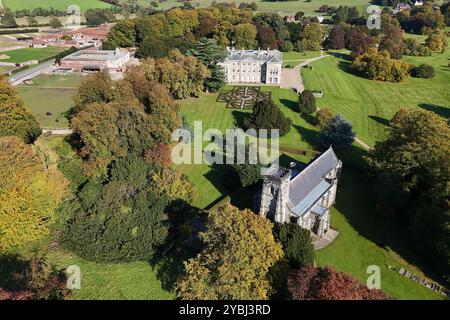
32	72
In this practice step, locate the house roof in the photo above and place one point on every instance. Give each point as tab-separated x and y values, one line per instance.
269	56
310	184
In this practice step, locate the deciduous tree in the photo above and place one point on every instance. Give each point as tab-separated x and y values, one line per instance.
239	251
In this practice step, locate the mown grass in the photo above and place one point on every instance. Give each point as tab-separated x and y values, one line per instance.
369	104
57	4
40	101
285	7
366	238
27	54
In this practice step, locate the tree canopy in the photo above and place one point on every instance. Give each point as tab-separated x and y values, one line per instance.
239	251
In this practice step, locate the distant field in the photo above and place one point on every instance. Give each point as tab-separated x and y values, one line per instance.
40	101
57	81
285	7
369	104
57	4
27	54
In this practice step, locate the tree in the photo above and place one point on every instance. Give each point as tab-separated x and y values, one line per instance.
309	283
8	19
15	119
410	170
311	37
287	46
378	65
239	251
31	279
122	35
30	193
336	39
307	102
338	132
414	48
120	220
32	22
158	154
299	15
392	42
323	117
184	76
357	41
244	36
55	23
266	37
297	244
97	16
211	54
173	184
267	115
437	41
423	71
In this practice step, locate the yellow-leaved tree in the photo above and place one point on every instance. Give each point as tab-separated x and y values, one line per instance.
239	252
29	194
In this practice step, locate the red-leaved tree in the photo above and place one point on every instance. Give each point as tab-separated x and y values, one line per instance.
309	283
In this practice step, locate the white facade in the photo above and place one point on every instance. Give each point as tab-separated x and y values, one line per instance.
253	66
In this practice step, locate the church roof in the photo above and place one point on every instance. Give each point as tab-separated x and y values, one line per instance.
310	184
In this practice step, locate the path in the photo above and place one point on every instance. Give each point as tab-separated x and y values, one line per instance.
292	79
21	76
57	132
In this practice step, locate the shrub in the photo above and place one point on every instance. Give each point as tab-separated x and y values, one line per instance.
414	48
287	46
423	71
307	102
297	245
338	132
323	117
267	115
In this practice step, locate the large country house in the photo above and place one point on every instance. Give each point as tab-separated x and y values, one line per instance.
302	194
253	66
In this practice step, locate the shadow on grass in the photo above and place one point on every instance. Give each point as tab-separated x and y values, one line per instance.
309	136
442	111
341	55
355	200
380	120
182	244
291	105
239	118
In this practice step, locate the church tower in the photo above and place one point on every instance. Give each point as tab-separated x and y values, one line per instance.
275	193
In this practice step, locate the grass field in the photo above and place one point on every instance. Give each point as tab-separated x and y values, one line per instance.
57	4
285	7
27	54
40	101
213	114
57	81
367	239
369	104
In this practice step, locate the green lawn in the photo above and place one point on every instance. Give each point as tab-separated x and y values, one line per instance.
123	281
286	7
57	4
56	81
369	104
294	58
367	239
213	114
27	54
40	101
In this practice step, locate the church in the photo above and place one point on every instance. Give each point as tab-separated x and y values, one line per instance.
303	194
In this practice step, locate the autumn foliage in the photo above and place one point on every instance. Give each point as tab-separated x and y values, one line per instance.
309	283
